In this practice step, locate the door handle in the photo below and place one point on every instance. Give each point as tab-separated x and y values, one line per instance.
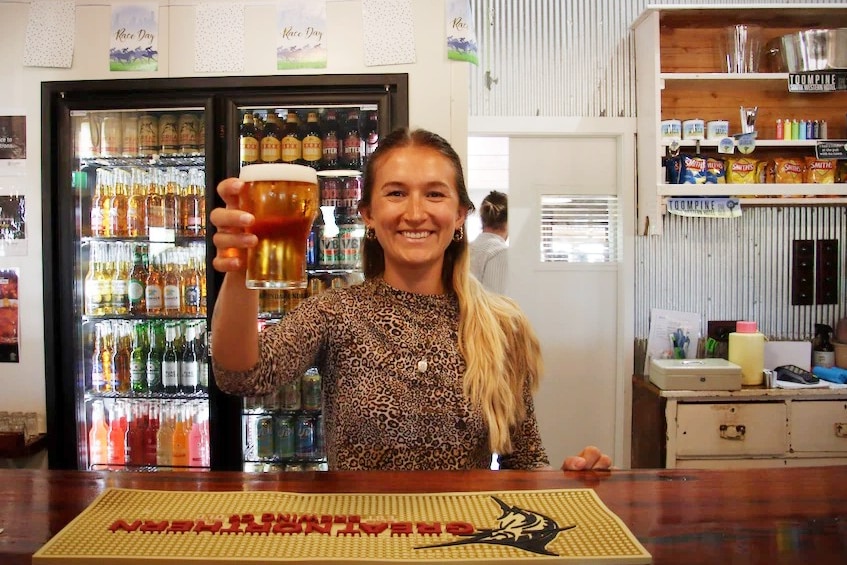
840	429
734	432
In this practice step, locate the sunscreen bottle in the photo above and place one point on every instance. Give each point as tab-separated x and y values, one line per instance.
747	350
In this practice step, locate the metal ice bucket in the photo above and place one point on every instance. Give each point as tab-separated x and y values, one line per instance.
815	50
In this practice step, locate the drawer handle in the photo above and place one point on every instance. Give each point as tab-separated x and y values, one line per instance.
841	429
735	431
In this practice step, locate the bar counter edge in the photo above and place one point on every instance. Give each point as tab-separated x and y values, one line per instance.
774	516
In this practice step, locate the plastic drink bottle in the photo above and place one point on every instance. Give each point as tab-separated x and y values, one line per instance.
747	350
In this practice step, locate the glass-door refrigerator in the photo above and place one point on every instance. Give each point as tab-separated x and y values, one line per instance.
129	169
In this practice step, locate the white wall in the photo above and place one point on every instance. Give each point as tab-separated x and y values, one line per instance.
438	101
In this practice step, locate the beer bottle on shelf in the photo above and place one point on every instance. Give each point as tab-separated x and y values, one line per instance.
191	210
203	355
136	220
107	353
190	280
105	276
171	286
120	279
98	373
371	136
248	141
138	281
154	287
189	369
91	285
119	204
138	360
170	202
120	359
351	158
330	141
312	148
170	362
155	201
292	140
271	144
107	190
99	204
156	346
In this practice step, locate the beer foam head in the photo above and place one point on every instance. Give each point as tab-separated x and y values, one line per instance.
278	171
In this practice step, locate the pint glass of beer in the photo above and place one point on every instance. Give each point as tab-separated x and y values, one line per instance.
284	199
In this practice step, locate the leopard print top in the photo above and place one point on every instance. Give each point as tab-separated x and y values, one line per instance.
380	411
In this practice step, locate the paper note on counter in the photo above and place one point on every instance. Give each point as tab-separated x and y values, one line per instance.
667	323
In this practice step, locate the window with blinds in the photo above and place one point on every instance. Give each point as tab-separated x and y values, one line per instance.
579	229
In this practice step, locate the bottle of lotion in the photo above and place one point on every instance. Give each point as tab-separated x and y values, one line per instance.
823	352
747	350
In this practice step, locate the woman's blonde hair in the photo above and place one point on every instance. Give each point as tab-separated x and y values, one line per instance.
500	348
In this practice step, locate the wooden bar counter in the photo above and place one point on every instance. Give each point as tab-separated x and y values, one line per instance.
772	516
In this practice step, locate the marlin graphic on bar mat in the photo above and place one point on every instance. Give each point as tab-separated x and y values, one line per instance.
516	527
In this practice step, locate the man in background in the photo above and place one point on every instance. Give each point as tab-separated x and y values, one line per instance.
489	251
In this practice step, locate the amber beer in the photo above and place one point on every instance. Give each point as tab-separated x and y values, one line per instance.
284	199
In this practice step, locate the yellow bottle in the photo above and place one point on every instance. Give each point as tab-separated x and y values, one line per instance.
747	350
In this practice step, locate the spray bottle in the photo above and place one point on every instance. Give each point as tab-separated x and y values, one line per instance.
823	353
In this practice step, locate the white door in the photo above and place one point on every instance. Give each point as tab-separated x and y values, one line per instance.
582	312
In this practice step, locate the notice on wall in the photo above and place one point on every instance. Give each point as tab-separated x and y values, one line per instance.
50	34
133	45
219	37
301	26
12	226
389	32
12	144
9	316
461	36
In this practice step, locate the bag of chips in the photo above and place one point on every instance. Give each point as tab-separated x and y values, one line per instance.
742	170
686	169
820	171
789	170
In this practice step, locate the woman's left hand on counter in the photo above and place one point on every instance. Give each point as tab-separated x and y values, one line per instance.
588	458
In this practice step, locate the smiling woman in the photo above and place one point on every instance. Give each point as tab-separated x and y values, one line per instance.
422	368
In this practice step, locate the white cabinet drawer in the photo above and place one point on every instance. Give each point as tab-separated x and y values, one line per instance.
819	426
732	429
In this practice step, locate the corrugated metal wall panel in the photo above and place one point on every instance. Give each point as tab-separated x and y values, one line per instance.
731	269
562	57
576	58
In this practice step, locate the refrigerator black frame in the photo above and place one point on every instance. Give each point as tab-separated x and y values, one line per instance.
221	97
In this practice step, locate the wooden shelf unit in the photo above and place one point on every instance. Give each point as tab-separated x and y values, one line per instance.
681	75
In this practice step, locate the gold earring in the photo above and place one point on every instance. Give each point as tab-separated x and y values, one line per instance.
459	234
370	233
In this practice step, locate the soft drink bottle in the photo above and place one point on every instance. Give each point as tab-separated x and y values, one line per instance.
151	435
165	438
180	440
195	442
117	438
98	436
